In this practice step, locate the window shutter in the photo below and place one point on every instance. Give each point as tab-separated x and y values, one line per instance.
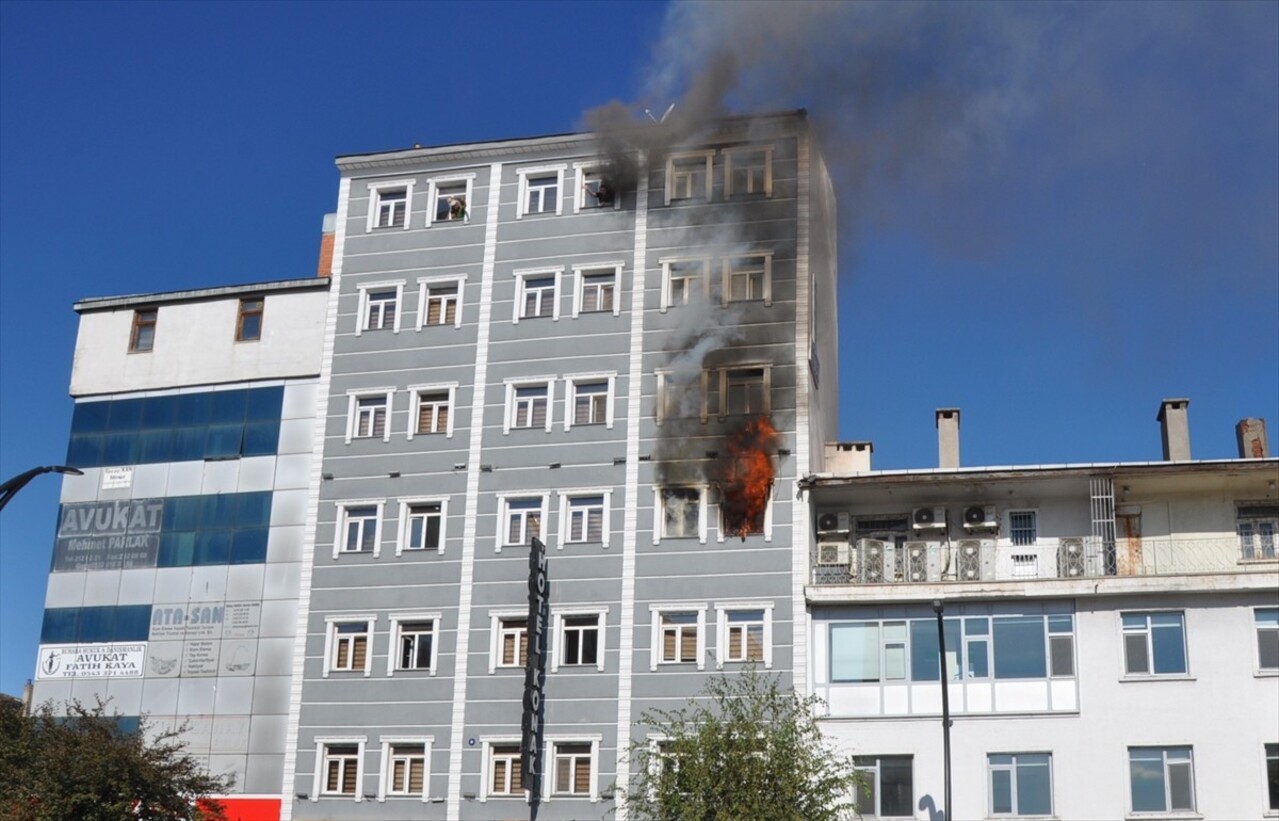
688	645
359	648
582	781
668	645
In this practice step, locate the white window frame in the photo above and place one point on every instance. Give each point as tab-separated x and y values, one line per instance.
424	285
1258	629
548	776
655	626
322	743
375	202
1012	769
722	627
331	624
766	285
664	380
362	317
384	778
1033	513
534	172
433	189
342	520
1254	531
558	615
402	534
522	277
668	264
415	407
504	513
512	383
571	382
565	498
1148	634
875	772
353	398
659	512
766	532
707	158
497	633
487	743
583	173
723	376
1168	808
398	620
580	272
730	154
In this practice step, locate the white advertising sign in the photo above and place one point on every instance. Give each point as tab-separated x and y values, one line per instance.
91	661
117	478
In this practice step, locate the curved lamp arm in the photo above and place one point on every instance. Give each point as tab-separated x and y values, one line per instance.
10	488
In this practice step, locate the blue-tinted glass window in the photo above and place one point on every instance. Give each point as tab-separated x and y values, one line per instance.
248	546
85	450
60	625
223	441
260	438
181	513
925	662
132	623
70	625
194	408
217	511
188	444
128	725
90	417
253	509
1019	647
264	404
157	445
176	550
96	624
213	547
126	414
159	412
121	449
228	406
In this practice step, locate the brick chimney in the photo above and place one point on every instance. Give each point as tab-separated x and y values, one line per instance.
1174	422
1251	435
848	457
948	437
327	233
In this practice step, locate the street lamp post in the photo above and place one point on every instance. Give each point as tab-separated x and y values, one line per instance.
938	607
10	488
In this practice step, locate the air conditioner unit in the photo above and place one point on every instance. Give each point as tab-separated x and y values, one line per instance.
916	561
1070	558
874	560
929	518
834	523
829	553
980	517
975	560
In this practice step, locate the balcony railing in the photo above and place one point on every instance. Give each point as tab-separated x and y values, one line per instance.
874	561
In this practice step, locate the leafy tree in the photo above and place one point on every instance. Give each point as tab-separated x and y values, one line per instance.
85	766
745	750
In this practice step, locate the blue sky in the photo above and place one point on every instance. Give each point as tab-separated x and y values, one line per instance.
1052	215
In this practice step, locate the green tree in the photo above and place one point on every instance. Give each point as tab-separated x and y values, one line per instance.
744	750
84	766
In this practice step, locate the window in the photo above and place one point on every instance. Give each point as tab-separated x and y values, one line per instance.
745	391
358	528
1257	525
1020	784
748	171
590	399
415	643
581	639
1272	775
595	189
368	414
1154	644
681	513
142	338
1162	778
887	790
422	525
340	765
379	307
389	204
248	326
682	395
739	519
1061	646
504	770
348	644
432	409
573	762
1023	526
745	633
509	646
540	190
748	278
1267	619
523	519
597	289
450	202
684	281
537	294
868	651
678	635
586	517
688	176
406	767
439	302
528	404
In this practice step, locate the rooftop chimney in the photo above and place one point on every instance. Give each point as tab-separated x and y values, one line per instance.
848	457
1174	424
948	437
327	232
1251	433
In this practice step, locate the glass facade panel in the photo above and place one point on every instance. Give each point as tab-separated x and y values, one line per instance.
1019	647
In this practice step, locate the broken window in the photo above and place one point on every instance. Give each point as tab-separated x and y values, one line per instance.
681	511
745	391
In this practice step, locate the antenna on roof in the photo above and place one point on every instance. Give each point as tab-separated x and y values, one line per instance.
669	109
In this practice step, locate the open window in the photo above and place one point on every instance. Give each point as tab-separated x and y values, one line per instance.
450	200
596	188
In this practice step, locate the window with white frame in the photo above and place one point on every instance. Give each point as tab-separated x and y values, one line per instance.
581	639
678	635
745	391
522	519
586	516
422	525
681	512
1267	621
748	171
338	768
596	290
432	409
595	188
380	309
744	633
741	519
748	278
1257	525
682	395
573	763
389	204
415	643
504	771
509	643
1154	644
348	644
1023	526
887	788
368	414
451	200
590	399
684	281
537	294
688	176
540	190
405	767
358	528
1020	784
440	302
1162	779
528	404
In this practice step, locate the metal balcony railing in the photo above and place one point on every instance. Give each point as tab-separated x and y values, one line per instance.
875	561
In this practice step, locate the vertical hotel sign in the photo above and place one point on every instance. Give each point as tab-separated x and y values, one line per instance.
534	670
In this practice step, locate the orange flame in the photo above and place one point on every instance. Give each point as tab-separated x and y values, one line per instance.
746	476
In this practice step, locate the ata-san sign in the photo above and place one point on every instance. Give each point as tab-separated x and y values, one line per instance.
534	669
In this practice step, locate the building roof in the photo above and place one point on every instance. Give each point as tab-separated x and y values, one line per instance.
102	303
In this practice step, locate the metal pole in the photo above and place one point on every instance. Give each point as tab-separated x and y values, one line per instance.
10	488
938	607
